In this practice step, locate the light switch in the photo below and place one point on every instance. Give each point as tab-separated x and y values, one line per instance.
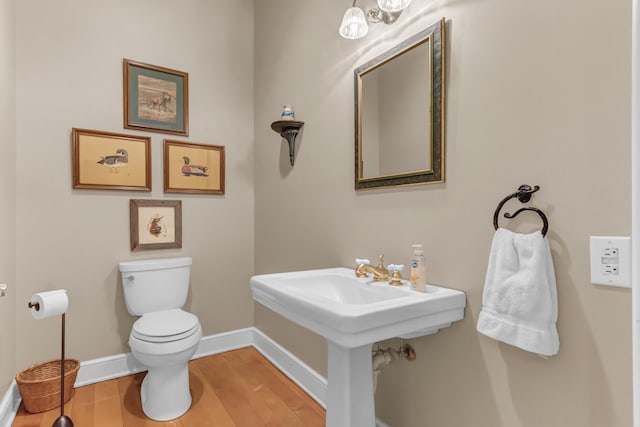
611	261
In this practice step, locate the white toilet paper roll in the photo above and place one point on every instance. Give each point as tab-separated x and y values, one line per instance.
50	303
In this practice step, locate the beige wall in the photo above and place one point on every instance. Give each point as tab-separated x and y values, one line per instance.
7	191
69	74
538	93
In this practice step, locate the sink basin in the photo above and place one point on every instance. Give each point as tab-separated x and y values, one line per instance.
353	313
338	288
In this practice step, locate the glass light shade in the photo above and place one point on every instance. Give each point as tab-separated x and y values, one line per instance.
393	5
354	24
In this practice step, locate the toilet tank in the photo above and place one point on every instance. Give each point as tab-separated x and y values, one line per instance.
155	284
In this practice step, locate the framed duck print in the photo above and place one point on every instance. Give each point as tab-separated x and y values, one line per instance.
191	167
155	98
110	161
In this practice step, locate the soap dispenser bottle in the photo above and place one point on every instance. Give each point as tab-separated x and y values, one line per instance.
418	269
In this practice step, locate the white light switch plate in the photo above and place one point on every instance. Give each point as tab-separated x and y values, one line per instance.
611	261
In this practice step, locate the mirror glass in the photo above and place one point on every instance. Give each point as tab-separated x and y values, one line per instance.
398	105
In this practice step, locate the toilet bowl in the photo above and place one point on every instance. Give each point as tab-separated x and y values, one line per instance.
165	389
165	337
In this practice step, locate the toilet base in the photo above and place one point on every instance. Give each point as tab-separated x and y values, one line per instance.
165	392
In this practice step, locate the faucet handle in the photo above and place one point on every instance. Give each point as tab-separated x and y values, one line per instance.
360	261
396	277
395	267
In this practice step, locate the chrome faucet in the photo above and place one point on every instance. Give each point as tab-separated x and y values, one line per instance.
380	273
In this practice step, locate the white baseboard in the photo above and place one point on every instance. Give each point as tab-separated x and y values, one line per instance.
9	405
106	368
120	365
299	372
227	341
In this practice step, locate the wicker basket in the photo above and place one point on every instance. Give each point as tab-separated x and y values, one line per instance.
39	384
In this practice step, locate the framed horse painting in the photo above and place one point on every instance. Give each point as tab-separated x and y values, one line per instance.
155	98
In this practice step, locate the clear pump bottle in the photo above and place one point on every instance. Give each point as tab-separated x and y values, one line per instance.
418	269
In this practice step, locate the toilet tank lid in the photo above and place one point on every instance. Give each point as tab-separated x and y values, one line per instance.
154	264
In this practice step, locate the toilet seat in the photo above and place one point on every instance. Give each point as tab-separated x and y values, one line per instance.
165	326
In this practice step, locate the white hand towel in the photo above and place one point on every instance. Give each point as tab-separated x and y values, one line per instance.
520	300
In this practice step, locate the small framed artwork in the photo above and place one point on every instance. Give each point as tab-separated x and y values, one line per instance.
155	98
193	168
110	161
155	224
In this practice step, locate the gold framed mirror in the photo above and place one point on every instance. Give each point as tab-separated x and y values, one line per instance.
399	113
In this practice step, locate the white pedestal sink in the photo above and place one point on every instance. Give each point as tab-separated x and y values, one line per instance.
352	314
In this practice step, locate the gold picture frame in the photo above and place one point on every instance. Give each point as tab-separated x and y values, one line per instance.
155	224
156	98
194	168
110	161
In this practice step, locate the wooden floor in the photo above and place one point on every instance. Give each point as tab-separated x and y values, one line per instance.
239	388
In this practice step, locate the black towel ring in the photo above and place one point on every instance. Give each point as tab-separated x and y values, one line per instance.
523	194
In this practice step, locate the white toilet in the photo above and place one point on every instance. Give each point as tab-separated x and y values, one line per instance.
165	338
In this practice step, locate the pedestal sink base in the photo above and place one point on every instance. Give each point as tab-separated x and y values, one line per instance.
350	387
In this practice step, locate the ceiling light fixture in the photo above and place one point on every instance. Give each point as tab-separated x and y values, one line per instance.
393	5
354	23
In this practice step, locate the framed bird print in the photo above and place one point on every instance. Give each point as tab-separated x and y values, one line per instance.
110	161
191	167
155	224
155	98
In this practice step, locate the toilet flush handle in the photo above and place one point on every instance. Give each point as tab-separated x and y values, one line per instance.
130	278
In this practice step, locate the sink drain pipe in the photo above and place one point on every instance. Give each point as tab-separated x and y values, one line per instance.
387	356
